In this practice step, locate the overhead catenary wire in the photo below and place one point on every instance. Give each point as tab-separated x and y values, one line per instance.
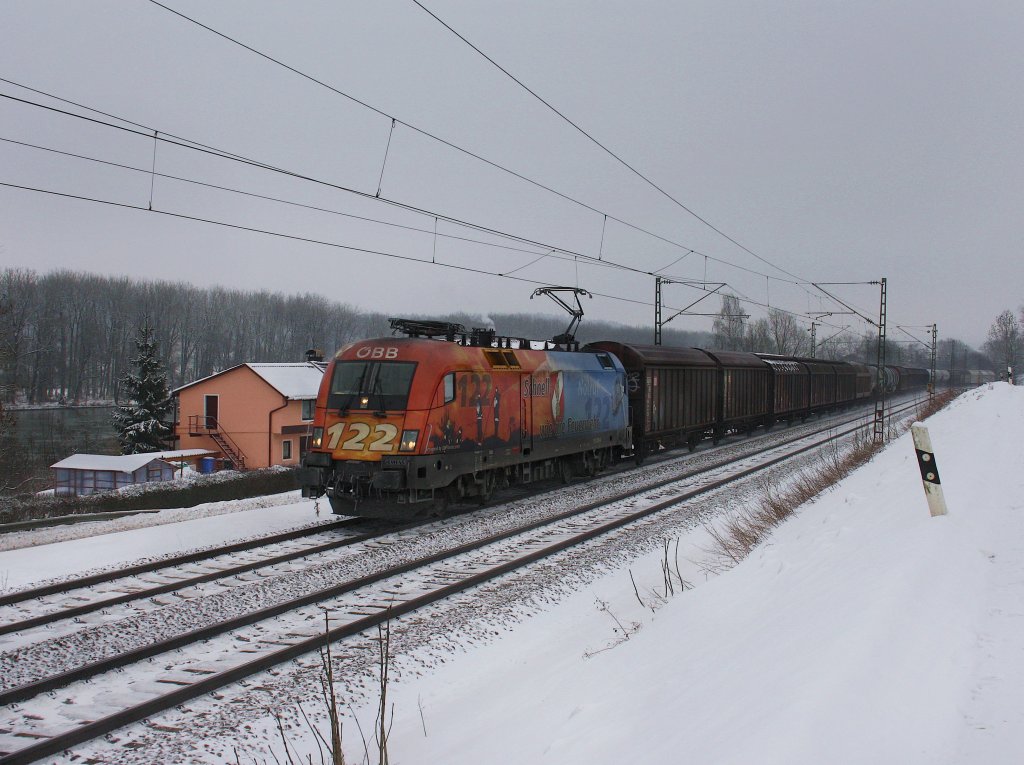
193	145
472	154
600	145
297	238
686	281
153	134
212	151
303	205
231	156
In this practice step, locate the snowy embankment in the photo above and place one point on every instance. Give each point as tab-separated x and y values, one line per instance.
863	631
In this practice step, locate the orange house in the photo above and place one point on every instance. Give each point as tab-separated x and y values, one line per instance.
256	415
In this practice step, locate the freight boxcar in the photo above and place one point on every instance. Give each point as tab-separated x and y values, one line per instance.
822	380
910	378
743	403
789	388
673	393
865	380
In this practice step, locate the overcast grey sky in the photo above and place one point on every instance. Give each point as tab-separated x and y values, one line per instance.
840	141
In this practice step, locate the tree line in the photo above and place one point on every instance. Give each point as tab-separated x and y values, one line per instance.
782	333
68	336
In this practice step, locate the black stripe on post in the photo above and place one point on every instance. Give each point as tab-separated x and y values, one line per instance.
929	470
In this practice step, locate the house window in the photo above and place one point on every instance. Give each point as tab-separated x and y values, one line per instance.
308	409
286	450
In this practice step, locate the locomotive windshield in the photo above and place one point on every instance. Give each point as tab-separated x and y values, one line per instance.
374	385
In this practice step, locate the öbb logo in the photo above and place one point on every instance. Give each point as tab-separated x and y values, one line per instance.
368	352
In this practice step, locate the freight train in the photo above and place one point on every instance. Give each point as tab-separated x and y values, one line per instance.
406	425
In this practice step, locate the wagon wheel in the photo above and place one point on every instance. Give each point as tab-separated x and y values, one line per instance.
692	440
639	453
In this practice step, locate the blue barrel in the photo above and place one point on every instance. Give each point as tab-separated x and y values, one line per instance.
207	464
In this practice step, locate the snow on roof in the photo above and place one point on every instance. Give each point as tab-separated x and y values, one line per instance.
298	380
178	454
121	463
293	381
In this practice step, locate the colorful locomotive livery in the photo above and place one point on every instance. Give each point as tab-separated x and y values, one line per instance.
407	424
414	421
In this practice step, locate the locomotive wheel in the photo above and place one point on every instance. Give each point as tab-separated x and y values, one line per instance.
445	498
564	470
486	488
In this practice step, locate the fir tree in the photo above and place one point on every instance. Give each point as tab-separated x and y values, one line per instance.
142	424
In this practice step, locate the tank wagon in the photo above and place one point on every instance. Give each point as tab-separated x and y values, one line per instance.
442	415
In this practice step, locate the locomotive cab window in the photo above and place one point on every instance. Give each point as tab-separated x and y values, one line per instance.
374	385
449	387
605	360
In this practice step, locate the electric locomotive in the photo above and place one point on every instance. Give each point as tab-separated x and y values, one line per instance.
407	424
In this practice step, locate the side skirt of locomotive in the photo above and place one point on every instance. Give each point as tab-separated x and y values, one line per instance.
399	487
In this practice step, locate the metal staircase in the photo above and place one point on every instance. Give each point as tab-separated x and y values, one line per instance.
200	425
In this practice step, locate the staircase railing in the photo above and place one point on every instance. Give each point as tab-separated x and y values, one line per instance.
202	425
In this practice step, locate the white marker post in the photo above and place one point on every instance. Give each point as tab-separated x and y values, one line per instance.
929	470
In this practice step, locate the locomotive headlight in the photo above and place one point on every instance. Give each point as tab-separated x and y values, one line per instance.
318	437
409	439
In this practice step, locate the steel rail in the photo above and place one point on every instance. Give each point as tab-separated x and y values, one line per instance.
163	589
76	611
13	598
86	671
108	577
89	731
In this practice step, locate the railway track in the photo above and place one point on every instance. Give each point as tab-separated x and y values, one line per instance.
404	575
71	602
44	606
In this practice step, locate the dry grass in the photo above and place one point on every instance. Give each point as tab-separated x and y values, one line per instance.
735	537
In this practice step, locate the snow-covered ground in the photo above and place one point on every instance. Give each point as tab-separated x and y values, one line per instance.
863	631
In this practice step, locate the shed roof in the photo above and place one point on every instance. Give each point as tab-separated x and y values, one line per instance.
296	381
121	463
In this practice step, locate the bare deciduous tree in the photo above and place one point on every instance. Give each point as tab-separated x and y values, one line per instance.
729	326
788	338
1005	343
